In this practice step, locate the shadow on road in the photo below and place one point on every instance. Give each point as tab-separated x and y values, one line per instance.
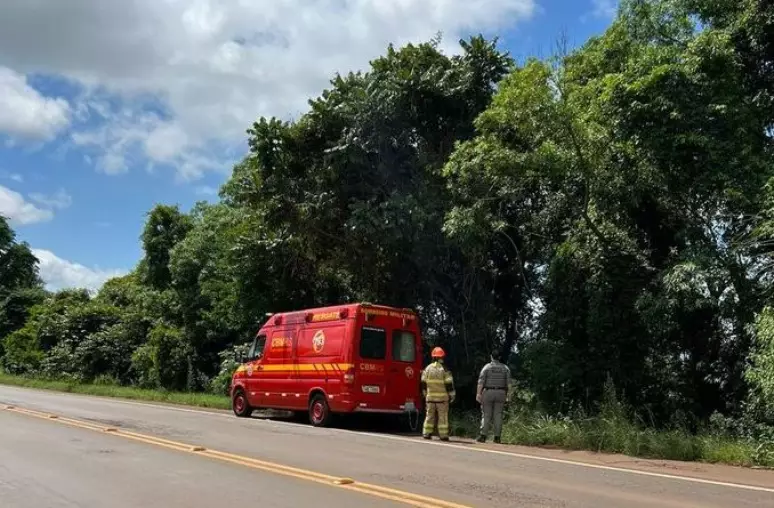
359	422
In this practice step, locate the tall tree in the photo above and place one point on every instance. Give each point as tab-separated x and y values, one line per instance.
18	266
166	227
620	173
355	184
20	286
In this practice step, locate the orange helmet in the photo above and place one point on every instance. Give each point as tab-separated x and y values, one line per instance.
438	353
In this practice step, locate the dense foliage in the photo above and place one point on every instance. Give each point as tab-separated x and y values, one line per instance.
605	215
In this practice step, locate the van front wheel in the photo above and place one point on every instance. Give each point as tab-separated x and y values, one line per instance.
240	405
319	411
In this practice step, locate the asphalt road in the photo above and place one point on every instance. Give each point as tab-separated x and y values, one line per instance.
51	464
45	465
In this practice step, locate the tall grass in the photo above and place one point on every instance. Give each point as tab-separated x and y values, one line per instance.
600	434
615	430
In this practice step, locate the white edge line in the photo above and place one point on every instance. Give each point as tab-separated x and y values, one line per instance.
451	445
586	464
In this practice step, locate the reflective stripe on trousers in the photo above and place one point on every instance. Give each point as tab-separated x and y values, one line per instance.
437	416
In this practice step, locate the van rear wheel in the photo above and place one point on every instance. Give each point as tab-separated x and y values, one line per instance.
319	411
240	405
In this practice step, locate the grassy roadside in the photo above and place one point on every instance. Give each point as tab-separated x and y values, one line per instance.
611	433
616	434
205	400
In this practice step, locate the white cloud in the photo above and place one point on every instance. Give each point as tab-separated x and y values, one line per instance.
15	177
605	8
206	190
25	113
19	211
177	83
58	273
61	199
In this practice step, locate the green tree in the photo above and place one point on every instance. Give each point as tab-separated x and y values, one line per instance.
20	286
760	372
22	352
164	361
18	266
616	178
165	227
353	192
15	309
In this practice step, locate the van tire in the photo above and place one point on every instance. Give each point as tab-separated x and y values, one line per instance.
319	411
239	404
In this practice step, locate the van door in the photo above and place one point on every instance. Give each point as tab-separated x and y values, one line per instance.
254	364
402	374
277	369
318	360
371	383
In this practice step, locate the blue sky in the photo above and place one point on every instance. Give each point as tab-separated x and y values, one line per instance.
107	108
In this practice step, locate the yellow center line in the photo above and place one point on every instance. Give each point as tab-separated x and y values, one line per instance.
271	467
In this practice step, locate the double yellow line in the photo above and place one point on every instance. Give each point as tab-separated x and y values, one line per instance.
271	467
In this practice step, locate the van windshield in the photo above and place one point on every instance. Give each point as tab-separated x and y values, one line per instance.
373	343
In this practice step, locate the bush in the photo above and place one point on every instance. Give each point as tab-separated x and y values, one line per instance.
229	361
164	361
22	352
105	380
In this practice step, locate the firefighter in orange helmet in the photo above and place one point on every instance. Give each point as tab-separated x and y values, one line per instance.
438	390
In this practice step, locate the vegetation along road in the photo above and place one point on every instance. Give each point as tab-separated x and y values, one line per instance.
95	451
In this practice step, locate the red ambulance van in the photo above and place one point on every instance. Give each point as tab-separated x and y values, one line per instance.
333	360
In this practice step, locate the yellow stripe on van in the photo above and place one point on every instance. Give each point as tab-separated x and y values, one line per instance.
290	367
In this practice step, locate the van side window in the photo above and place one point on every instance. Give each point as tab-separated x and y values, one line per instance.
403	346
373	343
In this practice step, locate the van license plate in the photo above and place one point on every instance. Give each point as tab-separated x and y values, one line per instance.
370	389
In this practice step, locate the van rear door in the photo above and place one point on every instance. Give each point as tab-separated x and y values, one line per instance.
388	369
402	372
371	368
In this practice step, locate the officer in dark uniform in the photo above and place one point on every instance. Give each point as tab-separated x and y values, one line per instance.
492	393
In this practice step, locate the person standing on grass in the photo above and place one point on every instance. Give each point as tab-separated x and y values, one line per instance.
492	393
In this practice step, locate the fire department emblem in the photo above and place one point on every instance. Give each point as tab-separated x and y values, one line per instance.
249	370
409	372
318	341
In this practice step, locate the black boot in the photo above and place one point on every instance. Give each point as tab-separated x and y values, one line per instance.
497	439
481	439
427	436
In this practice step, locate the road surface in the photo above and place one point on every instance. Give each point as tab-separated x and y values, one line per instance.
63	463
44	465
